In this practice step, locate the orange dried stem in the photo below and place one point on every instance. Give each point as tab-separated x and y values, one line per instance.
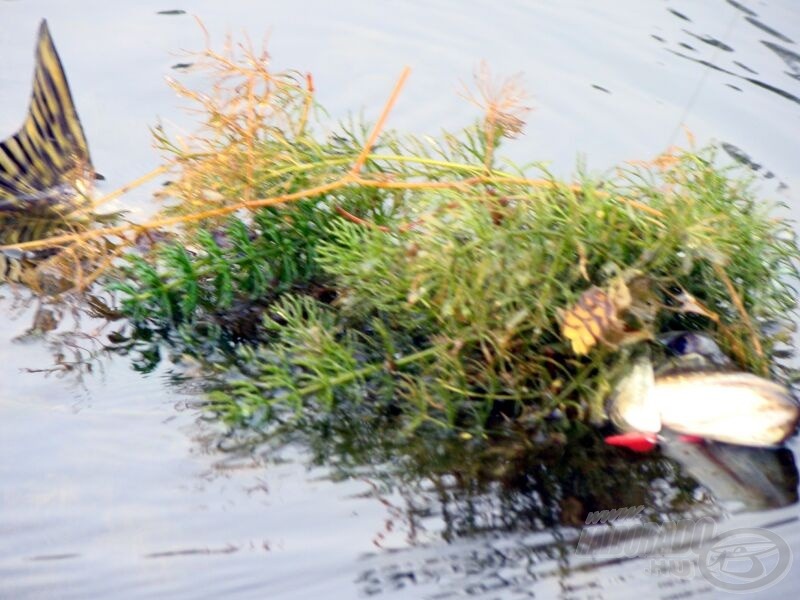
166	222
286	198
124	189
737	302
309	100
83	283
373	136
358	220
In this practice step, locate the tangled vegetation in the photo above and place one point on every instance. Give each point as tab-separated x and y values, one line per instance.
428	279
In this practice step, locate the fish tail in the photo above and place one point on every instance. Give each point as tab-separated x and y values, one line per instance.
12	268
50	147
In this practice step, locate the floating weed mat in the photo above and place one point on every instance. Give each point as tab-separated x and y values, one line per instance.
426	278
463	319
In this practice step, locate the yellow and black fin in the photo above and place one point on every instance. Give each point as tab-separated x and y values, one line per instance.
51	146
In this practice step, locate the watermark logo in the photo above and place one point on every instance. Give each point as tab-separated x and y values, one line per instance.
602	517
745	560
737	560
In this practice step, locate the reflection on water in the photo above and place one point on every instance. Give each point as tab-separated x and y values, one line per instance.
114	488
512	512
524	544
750	478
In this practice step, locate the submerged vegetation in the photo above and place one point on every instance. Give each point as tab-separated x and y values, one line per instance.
426	279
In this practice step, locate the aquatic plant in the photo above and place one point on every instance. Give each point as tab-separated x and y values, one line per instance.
420	278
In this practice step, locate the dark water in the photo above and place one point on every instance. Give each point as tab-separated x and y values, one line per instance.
112	485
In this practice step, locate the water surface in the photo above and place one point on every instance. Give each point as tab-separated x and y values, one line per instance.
114	486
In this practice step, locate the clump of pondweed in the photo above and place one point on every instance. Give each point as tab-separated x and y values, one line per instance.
449	275
254	193
248	260
459	315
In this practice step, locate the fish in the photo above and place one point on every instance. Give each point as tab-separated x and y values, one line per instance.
704	403
41	162
11	268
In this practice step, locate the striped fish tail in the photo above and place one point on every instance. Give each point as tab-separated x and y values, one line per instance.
14	269
50	148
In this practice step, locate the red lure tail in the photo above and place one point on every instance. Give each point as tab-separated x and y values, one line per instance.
636	441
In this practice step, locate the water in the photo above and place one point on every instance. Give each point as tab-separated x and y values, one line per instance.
114	486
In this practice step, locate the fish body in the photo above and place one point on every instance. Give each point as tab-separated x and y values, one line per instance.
12	268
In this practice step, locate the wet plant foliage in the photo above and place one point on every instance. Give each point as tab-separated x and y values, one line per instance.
417	278
313	268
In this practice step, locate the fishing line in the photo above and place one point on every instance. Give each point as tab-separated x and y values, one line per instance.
701	83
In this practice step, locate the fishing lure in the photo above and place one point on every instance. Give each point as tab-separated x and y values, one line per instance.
709	402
